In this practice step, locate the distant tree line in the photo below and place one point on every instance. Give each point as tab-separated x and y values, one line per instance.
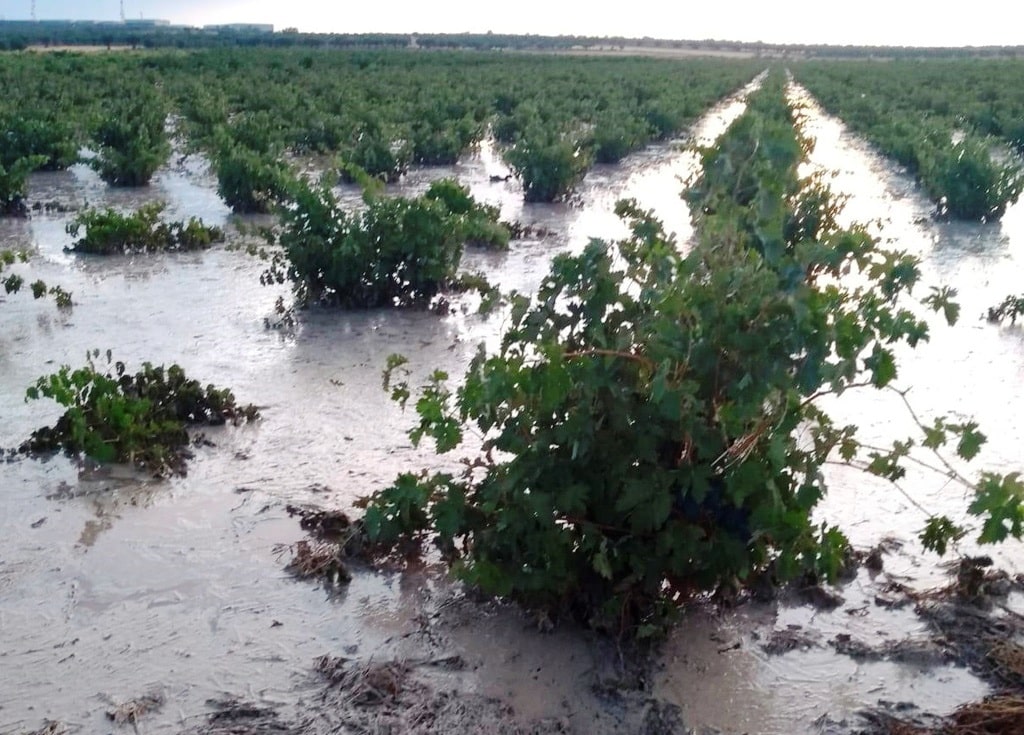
19	35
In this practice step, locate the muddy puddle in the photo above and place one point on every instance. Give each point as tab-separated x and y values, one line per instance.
114	587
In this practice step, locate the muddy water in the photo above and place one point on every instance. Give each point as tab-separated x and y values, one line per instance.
971	370
112	587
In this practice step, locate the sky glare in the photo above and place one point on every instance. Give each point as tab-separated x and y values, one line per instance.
866	22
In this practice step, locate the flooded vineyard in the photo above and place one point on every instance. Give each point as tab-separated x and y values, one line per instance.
116	587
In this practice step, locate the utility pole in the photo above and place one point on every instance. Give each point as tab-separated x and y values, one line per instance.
33	9
122	11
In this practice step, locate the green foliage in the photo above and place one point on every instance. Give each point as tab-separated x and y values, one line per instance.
204	111
410	495
1009	308
141	419
61	297
911	111
640	417
941	299
650	422
13	282
615	137
480	223
108	232
13	182
382	110
968	184
397	252
248	181
663	118
256	130
377	153
549	166
998	499
131	140
440	143
27	136
939	533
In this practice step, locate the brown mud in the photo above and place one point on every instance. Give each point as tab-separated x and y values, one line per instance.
115	588
969	622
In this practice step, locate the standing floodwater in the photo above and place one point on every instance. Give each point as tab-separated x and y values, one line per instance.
112	587
777	670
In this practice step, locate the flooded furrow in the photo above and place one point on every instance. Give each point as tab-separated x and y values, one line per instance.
777	668
111	586
970	370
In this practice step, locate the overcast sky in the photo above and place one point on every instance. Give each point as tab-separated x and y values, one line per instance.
882	22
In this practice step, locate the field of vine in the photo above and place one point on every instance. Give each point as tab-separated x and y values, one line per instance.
598	431
382	111
951	123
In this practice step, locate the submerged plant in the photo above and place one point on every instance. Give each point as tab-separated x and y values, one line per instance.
13	282
41	136
249	181
548	166
650	423
13	183
968	184
143	419
913	110
377	152
108	232
1009	308
480	224
131	140
397	252
614	137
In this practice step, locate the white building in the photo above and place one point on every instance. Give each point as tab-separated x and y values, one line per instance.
242	27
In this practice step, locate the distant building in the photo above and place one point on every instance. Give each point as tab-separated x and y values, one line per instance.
241	27
145	23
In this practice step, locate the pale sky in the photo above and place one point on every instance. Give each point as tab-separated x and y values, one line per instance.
864	22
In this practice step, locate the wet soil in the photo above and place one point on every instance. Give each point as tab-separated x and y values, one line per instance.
116	589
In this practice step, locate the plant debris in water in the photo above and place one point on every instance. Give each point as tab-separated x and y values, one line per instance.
365	684
321	523
318	559
1010	308
335	540
128	713
386	697
971	623
233	717
51	727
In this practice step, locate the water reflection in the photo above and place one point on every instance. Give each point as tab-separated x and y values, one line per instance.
176	584
972	369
